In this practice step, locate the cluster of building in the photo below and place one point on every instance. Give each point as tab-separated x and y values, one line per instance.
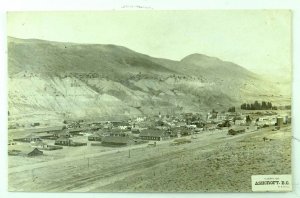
151	128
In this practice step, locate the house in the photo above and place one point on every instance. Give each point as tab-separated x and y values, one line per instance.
236	130
118	123
181	124
39	144
174	133
62	134
63	141
135	130
44	146
154	134
116	132
115	140
240	122
29	138
95	137
140	119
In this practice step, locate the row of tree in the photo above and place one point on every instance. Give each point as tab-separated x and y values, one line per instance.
258	106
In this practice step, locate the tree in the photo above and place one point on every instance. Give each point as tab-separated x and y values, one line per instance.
264	105
256	105
248	119
248	107
231	109
269	105
243	106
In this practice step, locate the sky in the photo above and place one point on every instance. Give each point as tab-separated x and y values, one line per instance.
259	40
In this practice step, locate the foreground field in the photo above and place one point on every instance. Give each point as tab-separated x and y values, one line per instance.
212	162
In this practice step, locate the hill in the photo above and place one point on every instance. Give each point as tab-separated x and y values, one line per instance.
84	80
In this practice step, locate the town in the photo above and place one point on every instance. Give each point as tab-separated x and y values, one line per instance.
147	130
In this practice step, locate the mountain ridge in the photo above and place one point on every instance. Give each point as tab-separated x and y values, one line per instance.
95	79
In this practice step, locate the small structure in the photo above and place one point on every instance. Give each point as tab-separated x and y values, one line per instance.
279	122
135	130
35	152
115	140
236	130
95	137
63	141
64	133
154	134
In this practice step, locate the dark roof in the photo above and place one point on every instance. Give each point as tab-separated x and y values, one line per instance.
32	136
63	138
75	130
151	133
41	129
115	130
238	128
115	139
35	152
62	132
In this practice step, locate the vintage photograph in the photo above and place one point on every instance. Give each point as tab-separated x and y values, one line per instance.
149	101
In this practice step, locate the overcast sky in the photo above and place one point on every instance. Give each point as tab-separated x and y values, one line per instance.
257	40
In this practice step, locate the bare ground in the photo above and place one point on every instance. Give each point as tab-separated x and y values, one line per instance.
214	162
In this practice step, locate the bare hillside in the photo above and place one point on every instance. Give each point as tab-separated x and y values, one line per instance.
84	80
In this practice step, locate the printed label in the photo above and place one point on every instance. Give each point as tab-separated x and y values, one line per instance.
271	183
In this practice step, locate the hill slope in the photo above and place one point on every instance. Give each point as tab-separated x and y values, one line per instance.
103	80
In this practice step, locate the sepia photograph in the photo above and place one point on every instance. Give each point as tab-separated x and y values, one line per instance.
149	101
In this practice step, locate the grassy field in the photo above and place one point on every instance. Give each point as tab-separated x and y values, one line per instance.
213	162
